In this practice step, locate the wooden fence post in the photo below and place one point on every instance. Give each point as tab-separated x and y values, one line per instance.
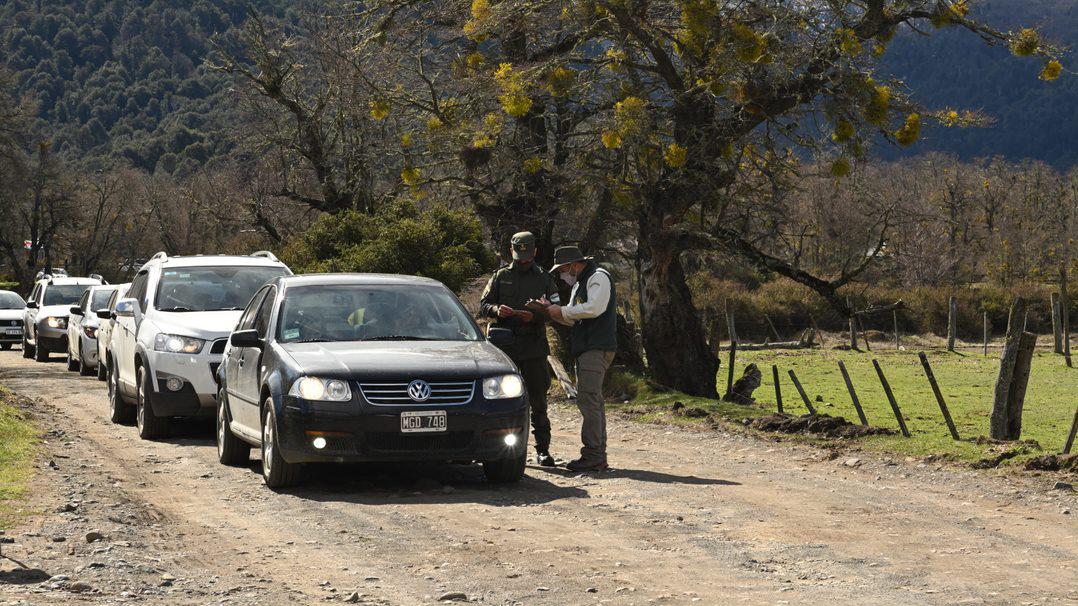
731	330
1065	313
730	371
891	399
1057	324
894	317
864	335
939	395
801	390
853	394
986	333
1014	367
952	322
853	327
773	330
778	387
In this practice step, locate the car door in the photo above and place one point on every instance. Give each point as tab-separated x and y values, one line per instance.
30	315
124	343
239	381
251	363
74	324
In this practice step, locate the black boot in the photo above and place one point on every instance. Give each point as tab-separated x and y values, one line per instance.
543	459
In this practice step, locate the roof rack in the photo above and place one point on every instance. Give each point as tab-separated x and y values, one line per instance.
161	255
266	254
99	278
42	276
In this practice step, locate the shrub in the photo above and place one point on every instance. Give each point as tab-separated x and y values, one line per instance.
435	242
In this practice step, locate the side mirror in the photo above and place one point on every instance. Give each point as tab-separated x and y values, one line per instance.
126	308
31	304
501	336
104	314
76	310
245	338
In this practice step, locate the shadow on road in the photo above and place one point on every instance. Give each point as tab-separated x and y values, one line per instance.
643	475
22	575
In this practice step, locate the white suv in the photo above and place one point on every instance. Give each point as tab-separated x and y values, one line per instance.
171	330
82	328
44	324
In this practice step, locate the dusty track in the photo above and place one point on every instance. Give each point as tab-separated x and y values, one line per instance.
685	517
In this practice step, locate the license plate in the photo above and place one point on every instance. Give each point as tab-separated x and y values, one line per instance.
423	421
14	331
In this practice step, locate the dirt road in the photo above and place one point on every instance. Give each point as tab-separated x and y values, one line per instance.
686	517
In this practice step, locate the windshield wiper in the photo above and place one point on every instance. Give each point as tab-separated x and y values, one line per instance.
399	338
311	340
175	309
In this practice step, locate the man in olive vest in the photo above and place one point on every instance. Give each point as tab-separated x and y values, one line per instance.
592	313
503	300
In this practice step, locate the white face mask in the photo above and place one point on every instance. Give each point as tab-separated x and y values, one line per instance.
569	278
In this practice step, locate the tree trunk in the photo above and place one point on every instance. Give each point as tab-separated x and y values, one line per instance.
1057	324
677	352
1014	367
952	322
1065	313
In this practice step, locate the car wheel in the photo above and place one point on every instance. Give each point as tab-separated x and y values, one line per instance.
506	471
230	449
119	411
276	472
150	426
5	346
27	349
84	368
41	353
72	362
102	374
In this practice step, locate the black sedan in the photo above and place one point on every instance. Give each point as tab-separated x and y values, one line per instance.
362	367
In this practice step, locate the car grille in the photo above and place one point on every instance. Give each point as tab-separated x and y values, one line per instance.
396	394
10	322
395	442
218	346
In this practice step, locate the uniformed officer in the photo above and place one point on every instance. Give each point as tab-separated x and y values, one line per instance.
503	300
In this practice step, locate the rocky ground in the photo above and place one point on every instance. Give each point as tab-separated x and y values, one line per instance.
685	517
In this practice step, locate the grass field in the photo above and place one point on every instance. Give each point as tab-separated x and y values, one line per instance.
18	437
967	380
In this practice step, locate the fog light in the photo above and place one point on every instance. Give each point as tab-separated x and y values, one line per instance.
319	443
511	439
174	384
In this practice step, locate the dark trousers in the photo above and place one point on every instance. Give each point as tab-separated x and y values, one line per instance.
536	373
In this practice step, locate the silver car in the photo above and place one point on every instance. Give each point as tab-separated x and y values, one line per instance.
45	318
82	327
12	308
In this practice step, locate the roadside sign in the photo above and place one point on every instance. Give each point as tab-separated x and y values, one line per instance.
27	244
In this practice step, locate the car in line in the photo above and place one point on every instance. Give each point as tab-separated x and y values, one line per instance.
361	367
104	329
47	311
82	327
12	308
171	331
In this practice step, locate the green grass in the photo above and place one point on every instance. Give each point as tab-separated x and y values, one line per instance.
966	379
18	439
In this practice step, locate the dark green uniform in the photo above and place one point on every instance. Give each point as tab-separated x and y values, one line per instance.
514	285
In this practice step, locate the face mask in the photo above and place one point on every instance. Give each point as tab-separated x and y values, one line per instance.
569	278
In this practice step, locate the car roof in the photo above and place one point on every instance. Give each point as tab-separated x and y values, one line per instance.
344	279
58	281
217	260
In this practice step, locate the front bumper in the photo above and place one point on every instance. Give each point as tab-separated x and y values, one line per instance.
197	397
88	351
52	339
357	431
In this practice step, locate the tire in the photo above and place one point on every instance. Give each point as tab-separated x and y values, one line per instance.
41	353
27	349
150	426
276	472
5	346
72	362
119	411
231	450
84	369
102	374
506	471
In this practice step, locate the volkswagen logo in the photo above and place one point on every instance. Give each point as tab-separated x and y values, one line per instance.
419	391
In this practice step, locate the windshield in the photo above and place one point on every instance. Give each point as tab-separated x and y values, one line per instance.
100	299
64	294
373	313
10	300
215	288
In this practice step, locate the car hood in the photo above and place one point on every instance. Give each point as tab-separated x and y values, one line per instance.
206	325
400	360
11	314
54	311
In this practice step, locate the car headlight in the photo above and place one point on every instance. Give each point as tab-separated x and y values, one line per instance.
56	322
177	344
327	390
505	386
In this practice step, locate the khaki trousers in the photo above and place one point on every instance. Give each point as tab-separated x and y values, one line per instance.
591	367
